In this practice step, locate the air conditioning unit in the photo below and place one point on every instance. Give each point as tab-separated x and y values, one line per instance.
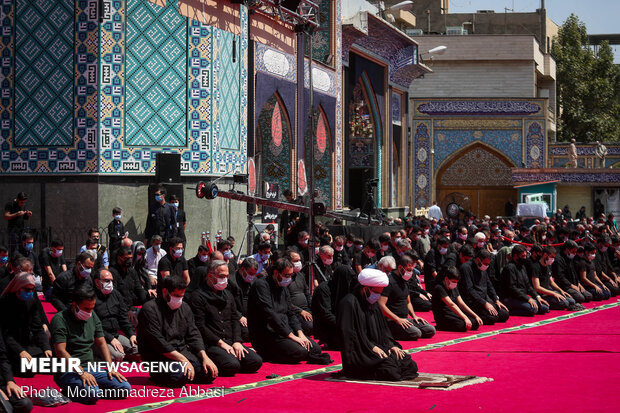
456	31
414	32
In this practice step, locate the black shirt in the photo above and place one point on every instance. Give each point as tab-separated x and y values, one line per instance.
175	266
516	282
22	324
64	285
179	221
56	263
543	273
216	316
397	293
16	224
362	259
299	293
112	311
116	230
436	262
127	282
269	315
193	264
160	221
162	330
475	284
240	290
563	272
440	309
582	264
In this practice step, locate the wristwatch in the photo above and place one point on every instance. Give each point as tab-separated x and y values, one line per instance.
80	371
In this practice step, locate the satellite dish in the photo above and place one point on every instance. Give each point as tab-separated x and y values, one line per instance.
403	5
454	204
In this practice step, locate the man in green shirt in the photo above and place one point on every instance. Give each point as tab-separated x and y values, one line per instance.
74	331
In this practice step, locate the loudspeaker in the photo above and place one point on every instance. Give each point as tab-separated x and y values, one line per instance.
168	167
290	4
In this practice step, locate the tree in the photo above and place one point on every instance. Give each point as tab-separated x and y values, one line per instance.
588	86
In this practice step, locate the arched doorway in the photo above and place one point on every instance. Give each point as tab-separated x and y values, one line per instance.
274	133
363	152
322	150
482	174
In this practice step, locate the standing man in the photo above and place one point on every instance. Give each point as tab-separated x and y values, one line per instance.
160	220
16	214
116	231
180	220
435	212
572	154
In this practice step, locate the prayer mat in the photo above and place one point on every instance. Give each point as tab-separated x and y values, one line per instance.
423	381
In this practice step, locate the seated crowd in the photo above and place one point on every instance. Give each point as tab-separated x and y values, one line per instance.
219	316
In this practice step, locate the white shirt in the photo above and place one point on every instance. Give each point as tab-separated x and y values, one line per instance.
435	212
152	261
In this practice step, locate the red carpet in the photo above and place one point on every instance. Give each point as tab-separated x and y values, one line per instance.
570	365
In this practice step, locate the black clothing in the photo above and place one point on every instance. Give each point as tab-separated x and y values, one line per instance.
175	266
543	274
160	221
15	225
22	327
64	285
582	264
240	290
475	285
56	263
326	270
33	258
436	262
362	326
116	230
563	272
362	260
6	374
127	282
397	293
516	283
325	303
228	365
299	293
341	257
415	290
112	311
162	330
195	279
215	316
445	318
179	221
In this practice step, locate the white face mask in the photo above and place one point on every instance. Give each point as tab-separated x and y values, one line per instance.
550	261
571	256
483	267
385	248
327	261
373	297
591	257
443	251
297	266
349	244
221	284
316	251
407	275
452	285
339	247
107	287
82	315
480	244
249	278
174	302
463	236
203	258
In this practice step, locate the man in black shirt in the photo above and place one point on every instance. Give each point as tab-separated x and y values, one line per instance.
240	287
26	249
450	311
200	260
367	256
521	299
545	285
274	329
179	219
437	260
395	304
17	401
112	309
604	268
217	319
564	273
15	214
160	220
300	294
173	263
116	232
477	289
587	274
69	280
325	262
167	332
127	282
52	264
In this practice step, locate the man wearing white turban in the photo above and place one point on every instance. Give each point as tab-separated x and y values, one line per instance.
368	349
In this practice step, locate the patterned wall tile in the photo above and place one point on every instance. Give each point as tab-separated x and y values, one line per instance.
535	144
422	159
79	154
338	163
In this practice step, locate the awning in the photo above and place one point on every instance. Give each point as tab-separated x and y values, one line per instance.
379	37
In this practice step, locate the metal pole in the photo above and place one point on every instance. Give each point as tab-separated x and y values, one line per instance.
312	255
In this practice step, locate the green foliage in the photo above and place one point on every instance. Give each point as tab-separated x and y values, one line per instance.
588	86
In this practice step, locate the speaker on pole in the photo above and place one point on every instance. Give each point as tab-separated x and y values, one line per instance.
168	167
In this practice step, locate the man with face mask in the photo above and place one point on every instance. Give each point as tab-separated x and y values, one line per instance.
200	260
173	263
450	311
564	274
22	322
93	243
587	274
154	254
218	322
179	219
604	267
52	264
127	282
544	284
160	220
75	332
26	249
369	350
395	302
521	298
367	256
300	298
167	332
477	289
436	261
240	288
263	257
112	310
341	255
325	262
275	331
69	280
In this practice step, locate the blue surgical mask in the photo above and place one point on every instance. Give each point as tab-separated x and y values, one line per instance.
285	281
228	254
178	253
4	260
29	246
117	217
203	258
175	204
158	198
265	257
26	295
373	297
